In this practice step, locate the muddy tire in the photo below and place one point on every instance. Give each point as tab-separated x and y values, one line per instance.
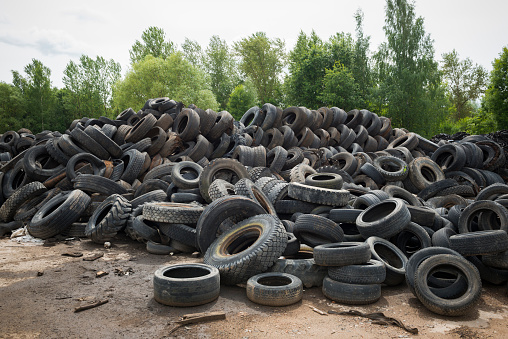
186	285
249	248
274	289
448	307
351	294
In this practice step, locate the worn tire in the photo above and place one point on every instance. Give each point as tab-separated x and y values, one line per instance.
249	248
351	294
274	289
186	285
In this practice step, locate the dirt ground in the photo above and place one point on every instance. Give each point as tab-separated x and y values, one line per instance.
40	287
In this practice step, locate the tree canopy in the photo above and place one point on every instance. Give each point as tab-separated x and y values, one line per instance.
262	59
465	83
496	97
153	43
173	77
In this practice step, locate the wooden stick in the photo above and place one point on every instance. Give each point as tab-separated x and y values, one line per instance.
89	306
197	318
201	317
317	310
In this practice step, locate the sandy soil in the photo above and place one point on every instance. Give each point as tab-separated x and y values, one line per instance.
40	287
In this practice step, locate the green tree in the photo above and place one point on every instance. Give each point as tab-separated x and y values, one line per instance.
241	99
12	109
408	75
173	77
361	69
262	59
308	62
465	82
37	94
315	67
496	97
153	43
340	88
221	67
192	52
89	86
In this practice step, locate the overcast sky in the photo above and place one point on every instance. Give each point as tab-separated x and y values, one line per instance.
56	32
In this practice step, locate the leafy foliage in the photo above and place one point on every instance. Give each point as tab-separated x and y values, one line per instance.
89	86
173	77
465	83
262	59
241	99
12	108
222	69
340	88
408	77
153	43
496	96
192	52
37	93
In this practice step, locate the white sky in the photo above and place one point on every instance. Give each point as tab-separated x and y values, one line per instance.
56	31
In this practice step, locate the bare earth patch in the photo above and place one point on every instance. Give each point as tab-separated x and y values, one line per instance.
40	288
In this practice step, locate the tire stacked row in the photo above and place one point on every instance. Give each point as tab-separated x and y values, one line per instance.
278	182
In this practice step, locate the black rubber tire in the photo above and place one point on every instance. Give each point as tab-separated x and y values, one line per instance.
155	195
186	285
158	248
140	129
325	180
295	118
180	232
293	245
293	206
498	260
133	161
97	184
316	230
345	161
58	214
38	164
274	289
450	157
442	236
345	215
109	145
98	166
370	272
108	219
480	242
249	248
393	258
351	294
391	168
465	223
448	307
435	188
318	195
220	210
172	213
10	206
423	172
182	167
410	232
230	167
245	187
342	254
418	258
305	269
143	230
87	143
276	158
220	188
384	219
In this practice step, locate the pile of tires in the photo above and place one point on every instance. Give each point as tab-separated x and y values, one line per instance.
272	193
